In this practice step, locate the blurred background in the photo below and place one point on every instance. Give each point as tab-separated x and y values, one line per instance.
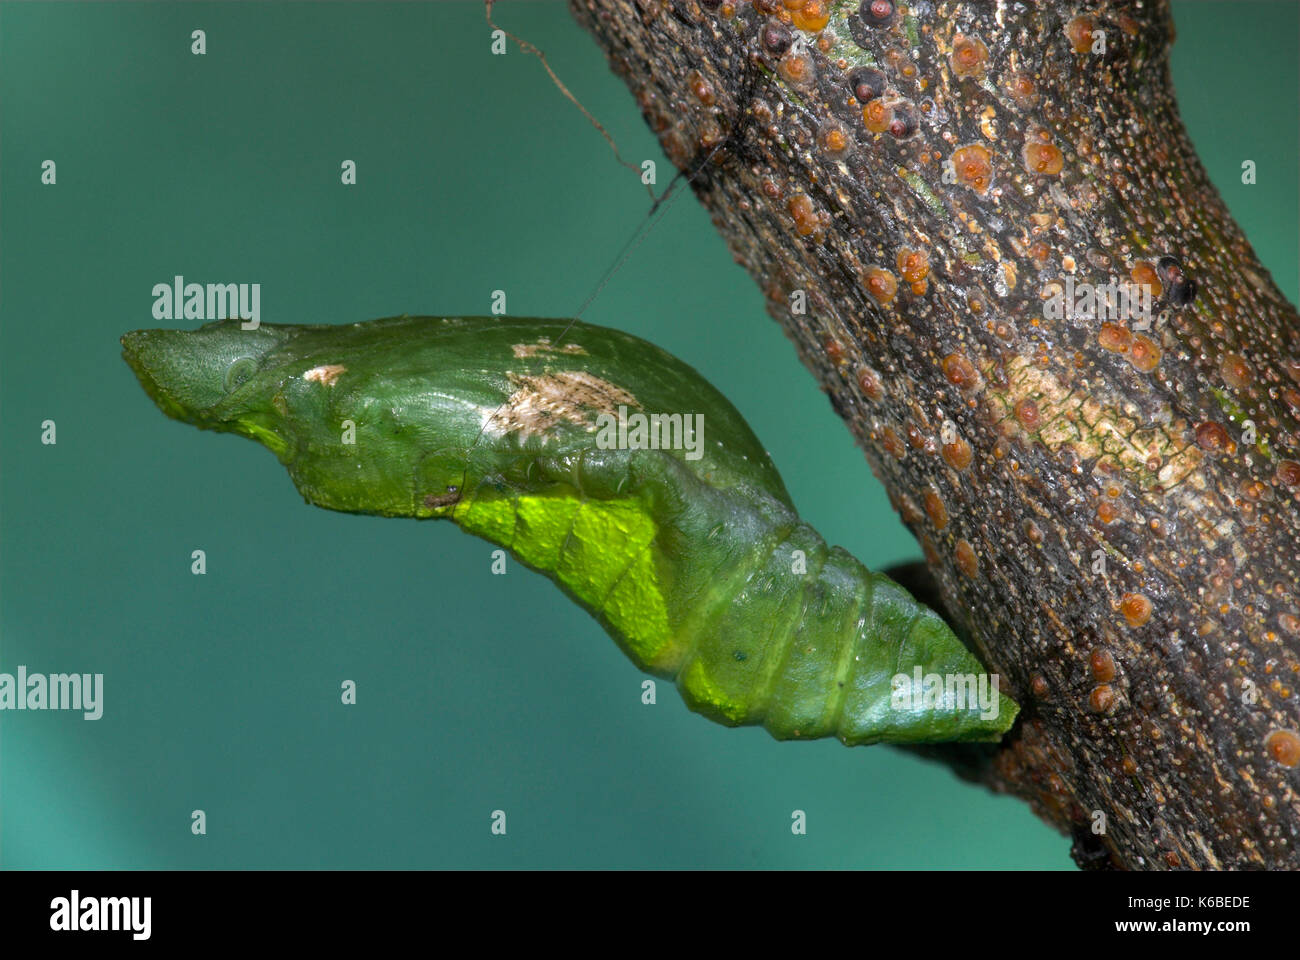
475	692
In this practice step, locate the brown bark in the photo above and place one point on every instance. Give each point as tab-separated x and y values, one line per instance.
1091	504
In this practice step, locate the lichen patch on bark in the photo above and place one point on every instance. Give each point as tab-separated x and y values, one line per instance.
1064	416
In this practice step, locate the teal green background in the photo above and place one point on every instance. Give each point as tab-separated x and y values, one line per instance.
476	692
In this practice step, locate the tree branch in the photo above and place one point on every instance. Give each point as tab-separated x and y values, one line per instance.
1106	502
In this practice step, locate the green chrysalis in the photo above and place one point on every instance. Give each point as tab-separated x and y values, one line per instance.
617	471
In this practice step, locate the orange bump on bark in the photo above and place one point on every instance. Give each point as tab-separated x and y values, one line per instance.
893	443
834	351
797	68
1288	473
1102	698
811	15
702	89
1102	665
957	454
1144	354
1284	747
710	134
1211	436
967	562
833	139
961	373
1026	412
935	509
881	284
877	116
1038	686
869	383
913	265
1253	489
805	218
1114	338
1237	373
973	166
1106	512
1022	89
1079	31
1136	609
969	57
1144	274
1044	158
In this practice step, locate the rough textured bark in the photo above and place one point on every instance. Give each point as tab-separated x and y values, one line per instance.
1108	511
